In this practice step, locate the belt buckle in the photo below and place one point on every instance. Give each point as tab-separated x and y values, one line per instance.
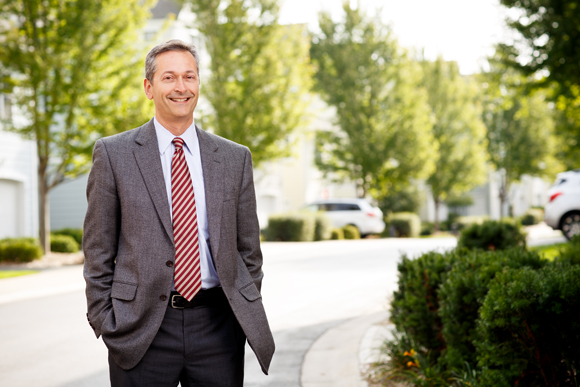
173	302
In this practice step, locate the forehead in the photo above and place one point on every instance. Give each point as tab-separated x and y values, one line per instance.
176	61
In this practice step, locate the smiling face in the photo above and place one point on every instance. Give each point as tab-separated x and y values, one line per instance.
174	90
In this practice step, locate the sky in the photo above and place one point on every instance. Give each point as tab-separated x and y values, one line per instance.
459	30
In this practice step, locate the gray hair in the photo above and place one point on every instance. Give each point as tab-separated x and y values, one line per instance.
170	45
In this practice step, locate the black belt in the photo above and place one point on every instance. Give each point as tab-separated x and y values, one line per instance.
205	297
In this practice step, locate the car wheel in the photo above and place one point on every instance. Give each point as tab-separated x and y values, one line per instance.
570	224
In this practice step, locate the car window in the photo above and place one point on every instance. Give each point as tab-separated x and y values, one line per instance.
347	207
559	182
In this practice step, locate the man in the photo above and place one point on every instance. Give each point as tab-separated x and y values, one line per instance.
171	242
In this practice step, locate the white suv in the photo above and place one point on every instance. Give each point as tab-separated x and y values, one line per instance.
357	212
563	209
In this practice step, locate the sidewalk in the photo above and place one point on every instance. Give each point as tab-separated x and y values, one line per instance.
340	356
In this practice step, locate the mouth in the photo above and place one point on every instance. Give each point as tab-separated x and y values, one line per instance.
180	99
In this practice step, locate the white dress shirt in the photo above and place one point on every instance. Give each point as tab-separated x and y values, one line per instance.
209	278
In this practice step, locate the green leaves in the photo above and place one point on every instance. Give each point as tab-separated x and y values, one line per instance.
381	111
260	75
457	130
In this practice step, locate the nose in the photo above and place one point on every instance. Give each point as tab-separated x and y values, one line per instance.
180	85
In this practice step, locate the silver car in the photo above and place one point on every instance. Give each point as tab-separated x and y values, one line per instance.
357	212
563	209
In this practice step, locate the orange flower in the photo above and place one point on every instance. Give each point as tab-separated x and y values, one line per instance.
412	364
412	353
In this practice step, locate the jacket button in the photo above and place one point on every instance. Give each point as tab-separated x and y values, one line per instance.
163	297
169	263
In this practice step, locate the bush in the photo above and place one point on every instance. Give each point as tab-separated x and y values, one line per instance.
322	227
492	235
76	233
462	222
532	216
19	250
529	328
296	227
463	292
570	253
406	224
337	233
415	304
63	244
427	228
351	232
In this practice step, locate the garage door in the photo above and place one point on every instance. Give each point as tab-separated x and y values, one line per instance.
10	208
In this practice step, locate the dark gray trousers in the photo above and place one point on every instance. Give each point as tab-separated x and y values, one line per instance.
197	347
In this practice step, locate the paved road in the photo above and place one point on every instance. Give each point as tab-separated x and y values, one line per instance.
45	340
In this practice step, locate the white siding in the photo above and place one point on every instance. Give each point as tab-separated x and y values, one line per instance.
68	204
19	182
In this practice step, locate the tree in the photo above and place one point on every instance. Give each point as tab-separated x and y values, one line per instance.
547	39
457	130
519	128
260	74
383	137
73	67
545	51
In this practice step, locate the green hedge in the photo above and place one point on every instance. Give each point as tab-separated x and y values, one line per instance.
19	250
76	233
486	318
463	292
415	304
295	227
529	328
532	216
337	233
322	227
492	235
406	224
350	232
462	222
63	244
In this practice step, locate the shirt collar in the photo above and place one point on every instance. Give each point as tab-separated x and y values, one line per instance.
165	137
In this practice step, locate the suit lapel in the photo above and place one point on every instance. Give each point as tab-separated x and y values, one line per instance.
149	162
213	178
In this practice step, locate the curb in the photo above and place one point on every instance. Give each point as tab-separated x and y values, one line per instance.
341	354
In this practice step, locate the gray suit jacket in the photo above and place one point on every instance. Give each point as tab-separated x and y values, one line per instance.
128	241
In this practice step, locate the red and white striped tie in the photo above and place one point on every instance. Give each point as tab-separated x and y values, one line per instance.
187	270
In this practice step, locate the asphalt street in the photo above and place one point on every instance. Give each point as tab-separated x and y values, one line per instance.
308	289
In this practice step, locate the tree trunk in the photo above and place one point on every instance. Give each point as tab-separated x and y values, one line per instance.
44	214
437	204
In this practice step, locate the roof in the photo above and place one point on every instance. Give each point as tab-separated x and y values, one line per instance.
164	8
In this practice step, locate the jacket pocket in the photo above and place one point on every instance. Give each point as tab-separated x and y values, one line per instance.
250	292
123	291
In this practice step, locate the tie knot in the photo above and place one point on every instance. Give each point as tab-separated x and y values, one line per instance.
178	142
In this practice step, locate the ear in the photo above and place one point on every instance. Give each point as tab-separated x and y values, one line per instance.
148	88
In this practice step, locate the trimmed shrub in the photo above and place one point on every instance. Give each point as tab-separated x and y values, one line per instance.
19	250
529	328
462	222
406	224
570	254
427	228
351	232
492	235
337	233
296	227
415	305
322	227
63	244
532	216
463	293
76	233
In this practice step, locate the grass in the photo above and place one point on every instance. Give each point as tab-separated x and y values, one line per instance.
15	273
549	251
